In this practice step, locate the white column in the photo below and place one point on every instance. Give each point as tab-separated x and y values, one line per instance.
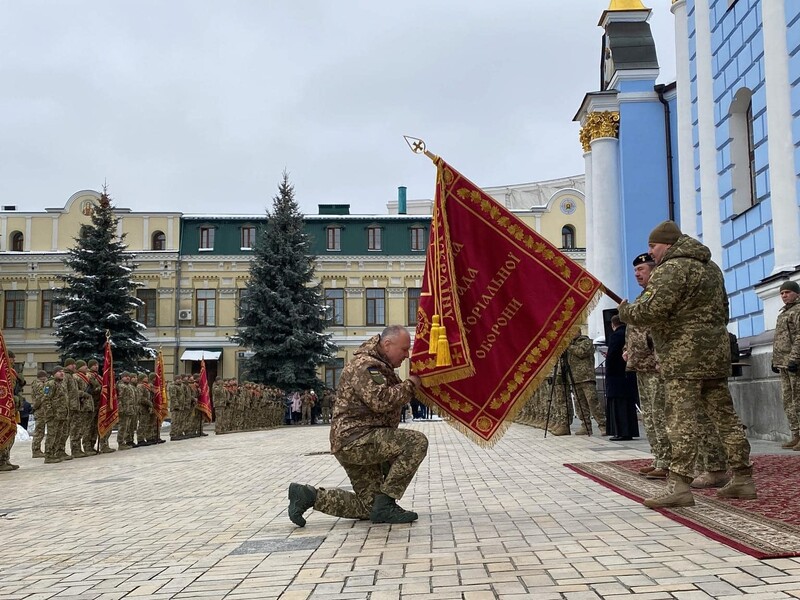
686	191
607	259
54	241
782	179
27	242
596	316
709	188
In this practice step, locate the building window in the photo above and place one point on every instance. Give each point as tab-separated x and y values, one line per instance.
334	305
15	309
206	308
146	313
334	243
159	241
373	238
248	237
50	309
17	241
148	366
333	372
417	239
48	367
567	236
206	238
742	153
376	306
413	305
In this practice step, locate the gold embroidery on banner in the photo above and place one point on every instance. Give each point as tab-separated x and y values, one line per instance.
535	355
447	399
483	423
515	231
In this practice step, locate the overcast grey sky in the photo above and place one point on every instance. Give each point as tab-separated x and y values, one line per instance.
198	106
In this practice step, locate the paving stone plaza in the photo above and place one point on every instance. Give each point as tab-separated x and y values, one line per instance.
206	518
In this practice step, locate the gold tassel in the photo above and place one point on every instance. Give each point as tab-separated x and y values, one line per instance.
443	349
434	339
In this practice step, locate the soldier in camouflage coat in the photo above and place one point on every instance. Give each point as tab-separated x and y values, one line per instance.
580	358
365	437
640	357
786	357
39	402
685	307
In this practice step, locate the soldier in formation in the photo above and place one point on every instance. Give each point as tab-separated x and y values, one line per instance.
246	407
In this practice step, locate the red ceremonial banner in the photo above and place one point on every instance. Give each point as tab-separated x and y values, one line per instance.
109	407
8	410
203	395
499	304
160	400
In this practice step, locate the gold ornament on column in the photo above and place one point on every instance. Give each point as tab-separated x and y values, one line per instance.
599	125
627	5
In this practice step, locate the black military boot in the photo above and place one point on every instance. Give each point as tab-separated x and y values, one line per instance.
386	510
301	498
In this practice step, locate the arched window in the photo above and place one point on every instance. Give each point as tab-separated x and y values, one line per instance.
159	241
742	152
567	236
17	241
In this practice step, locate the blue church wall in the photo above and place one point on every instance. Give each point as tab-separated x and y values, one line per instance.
738	62
673	128
792	8
645	200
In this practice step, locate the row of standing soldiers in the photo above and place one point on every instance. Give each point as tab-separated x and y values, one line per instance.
247	406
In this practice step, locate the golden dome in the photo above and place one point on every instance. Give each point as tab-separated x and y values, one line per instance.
627	5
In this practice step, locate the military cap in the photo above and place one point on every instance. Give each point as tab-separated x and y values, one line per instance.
125	374
142	376
69	361
41	374
666	232
791	286
152	376
11	354
93	362
643	259
57	369
80	363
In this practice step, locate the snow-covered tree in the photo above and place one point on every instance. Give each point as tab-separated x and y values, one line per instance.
283	317
99	295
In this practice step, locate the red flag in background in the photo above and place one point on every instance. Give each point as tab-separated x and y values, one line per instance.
8	410
499	304
109	408
203	395
160	400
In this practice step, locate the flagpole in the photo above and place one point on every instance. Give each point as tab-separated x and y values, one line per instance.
418	146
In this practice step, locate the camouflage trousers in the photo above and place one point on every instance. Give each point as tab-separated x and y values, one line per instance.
88	424
5	453
790	390
57	430
587	404
687	401
560	406
39	433
710	451
653	399
403	450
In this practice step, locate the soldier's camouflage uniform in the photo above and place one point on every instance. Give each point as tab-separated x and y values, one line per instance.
786	348
365	434
685	307
40	404
642	360
57	418
580	357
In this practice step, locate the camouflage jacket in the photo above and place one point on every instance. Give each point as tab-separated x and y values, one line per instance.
144	399
786	345
640	348
58	409
370	396
580	356
126	395
39	400
685	307
73	395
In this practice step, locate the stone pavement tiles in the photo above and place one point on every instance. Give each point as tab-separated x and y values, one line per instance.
206	518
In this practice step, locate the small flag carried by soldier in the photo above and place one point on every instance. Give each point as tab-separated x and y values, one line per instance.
109	407
8	410
160	399
203	395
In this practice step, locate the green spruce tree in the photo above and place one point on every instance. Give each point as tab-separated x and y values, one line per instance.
99	295
282	317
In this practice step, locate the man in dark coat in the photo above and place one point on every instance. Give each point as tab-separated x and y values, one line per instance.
623	422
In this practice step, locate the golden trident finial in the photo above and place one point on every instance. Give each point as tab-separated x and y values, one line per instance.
418	146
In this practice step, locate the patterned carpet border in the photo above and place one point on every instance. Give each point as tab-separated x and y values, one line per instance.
763	528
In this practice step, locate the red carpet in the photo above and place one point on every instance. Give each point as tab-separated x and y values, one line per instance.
768	527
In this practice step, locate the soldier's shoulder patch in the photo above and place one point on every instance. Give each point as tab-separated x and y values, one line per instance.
376	375
647	294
